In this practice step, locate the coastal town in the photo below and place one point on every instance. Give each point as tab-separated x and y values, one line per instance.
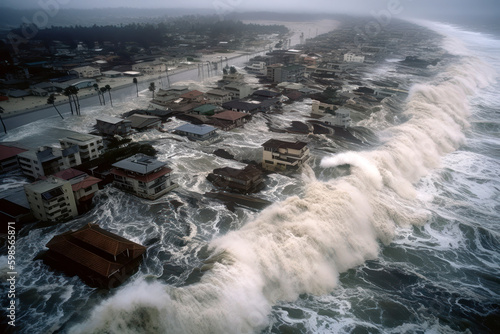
325	72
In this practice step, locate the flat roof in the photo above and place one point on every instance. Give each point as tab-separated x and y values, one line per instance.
140	163
111	119
276	144
45	185
201	129
81	137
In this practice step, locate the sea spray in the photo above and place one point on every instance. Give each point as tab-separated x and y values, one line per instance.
302	244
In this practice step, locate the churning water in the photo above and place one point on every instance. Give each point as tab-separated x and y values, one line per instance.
400	236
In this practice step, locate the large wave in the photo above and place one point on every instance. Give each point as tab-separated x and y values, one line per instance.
302	244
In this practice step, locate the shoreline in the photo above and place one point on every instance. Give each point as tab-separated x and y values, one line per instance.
40	102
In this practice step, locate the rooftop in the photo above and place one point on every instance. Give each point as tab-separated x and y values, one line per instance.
7	152
140	163
81	137
110	119
201	129
230	115
276	144
46	185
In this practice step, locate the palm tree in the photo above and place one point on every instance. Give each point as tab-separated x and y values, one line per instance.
67	92
108	88
103	89
52	100
74	91
134	80
1	120
152	88
96	87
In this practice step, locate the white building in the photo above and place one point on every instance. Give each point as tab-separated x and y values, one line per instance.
342	118
238	90
320	108
218	96
352	58
282	155
87	71
144	176
51	199
89	146
48	160
151	67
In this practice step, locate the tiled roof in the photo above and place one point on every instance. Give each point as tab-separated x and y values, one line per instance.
7	152
230	115
88	182
69	174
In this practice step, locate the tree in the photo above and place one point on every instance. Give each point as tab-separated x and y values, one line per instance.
232	70
103	89
134	80
108	88
67	92
96	87
52	100
74	91
152	88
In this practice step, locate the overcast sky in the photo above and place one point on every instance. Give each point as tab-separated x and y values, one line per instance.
405	8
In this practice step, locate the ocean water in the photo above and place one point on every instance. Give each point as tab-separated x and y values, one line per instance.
397	235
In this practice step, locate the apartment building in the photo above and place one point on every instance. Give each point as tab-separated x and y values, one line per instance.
89	146
283	155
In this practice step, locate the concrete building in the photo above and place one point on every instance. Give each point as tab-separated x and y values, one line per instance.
8	158
197	132
342	118
87	71
89	146
282	155
281	73
238	90
108	125
51	199
152	67
48	160
218	96
83	186
143	176
352	58
319	108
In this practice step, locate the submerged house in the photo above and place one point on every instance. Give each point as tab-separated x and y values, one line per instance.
197	132
283	155
100	258
246	180
230	119
143	176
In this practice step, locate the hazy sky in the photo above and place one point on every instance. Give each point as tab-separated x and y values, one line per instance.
364	7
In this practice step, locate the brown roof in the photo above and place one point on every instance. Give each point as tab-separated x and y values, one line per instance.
12	209
144	178
72	246
247	173
230	115
69	174
191	94
7	152
87	182
276	144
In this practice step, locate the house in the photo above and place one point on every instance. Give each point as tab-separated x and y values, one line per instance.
51	199
282	155
89	146
281	73
238	90
319	108
352	58
342	118
164	115
152	67
143	176
218	96
193	96
100	258
48	160
12	212
112	74
206	109
246	180
83	186
197	132
108	125
87	71
253	105
8	158
229	119
144	122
